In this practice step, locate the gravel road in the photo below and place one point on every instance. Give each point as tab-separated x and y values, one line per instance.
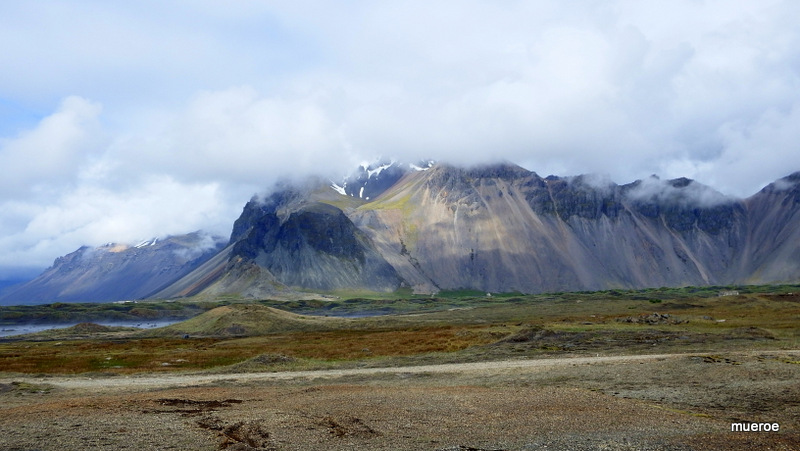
182	380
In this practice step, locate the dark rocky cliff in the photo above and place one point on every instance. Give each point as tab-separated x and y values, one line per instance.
316	246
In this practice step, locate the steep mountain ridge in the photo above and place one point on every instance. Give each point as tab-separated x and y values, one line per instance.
492	228
772	253
503	228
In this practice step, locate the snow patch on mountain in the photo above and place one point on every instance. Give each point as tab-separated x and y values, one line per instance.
338	188
145	243
377	171
426	165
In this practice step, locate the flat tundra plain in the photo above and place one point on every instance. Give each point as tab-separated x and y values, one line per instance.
640	402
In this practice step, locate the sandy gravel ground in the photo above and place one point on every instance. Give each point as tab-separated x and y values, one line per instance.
655	402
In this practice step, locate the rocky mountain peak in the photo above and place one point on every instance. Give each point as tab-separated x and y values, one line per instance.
370	180
790	183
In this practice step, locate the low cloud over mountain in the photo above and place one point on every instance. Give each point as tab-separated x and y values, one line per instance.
492	228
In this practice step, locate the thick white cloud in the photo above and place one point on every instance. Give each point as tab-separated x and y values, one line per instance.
122	120
94	215
51	154
239	136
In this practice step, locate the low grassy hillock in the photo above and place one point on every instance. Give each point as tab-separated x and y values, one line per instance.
247	320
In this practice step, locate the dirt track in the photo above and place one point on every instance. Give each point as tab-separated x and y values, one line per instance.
658	402
182	380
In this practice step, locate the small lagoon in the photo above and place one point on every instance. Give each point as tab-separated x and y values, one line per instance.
11	330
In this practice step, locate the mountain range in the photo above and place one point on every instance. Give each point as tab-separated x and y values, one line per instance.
430	227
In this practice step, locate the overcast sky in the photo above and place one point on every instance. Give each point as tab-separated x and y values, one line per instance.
123	120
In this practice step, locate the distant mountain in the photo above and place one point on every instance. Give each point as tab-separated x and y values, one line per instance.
117	271
492	228
9	285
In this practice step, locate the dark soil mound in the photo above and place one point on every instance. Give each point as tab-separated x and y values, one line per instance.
89	328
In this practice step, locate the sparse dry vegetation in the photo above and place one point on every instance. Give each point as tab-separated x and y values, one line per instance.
479	329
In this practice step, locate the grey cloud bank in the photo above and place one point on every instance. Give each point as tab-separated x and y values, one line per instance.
121	121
